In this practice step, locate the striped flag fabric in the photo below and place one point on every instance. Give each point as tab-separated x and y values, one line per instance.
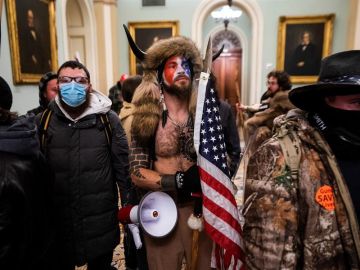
220	213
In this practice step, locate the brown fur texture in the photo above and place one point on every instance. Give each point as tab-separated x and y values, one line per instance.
147	94
145	121
258	128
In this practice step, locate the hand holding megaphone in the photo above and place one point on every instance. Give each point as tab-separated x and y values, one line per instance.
156	214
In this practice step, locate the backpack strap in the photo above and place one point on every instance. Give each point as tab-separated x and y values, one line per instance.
290	146
108	131
43	126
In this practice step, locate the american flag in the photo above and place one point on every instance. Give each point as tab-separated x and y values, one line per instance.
221	216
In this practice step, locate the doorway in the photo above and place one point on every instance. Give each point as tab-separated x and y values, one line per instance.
227	67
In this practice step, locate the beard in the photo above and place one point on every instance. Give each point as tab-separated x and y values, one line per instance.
75	111
182	91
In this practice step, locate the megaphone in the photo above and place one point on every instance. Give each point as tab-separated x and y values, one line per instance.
156	214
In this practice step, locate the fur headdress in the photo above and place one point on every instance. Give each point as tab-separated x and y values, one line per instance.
147	95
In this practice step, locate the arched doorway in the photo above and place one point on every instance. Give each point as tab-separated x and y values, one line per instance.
253	75
227	68
78	34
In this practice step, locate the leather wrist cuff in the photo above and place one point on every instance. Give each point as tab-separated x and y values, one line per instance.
167	182
179	178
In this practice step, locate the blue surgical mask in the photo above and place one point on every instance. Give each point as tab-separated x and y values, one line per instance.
73	93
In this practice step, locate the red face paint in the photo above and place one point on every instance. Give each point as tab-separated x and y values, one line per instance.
177	69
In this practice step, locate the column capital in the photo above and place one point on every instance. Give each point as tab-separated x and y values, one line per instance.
106	2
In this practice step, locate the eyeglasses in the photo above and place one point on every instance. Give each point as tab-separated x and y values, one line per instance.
68	79
271	82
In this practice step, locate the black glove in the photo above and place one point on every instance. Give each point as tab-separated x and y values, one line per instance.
189	180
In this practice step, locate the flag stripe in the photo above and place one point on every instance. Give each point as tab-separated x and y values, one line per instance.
220	212
212	203
223	188
222	179
225	232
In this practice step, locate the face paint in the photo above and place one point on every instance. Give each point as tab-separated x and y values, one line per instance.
177	69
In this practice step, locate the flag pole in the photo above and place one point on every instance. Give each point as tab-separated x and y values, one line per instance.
194	249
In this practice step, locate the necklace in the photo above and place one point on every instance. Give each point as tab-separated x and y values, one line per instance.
185	142
180	126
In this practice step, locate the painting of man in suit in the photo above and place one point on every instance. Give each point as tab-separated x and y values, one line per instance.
34	36
303	49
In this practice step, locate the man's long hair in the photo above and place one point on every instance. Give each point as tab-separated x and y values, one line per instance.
283	79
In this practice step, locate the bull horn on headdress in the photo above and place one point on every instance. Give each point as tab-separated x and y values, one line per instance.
135	49
217	54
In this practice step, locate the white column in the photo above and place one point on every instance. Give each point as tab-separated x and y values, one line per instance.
107	43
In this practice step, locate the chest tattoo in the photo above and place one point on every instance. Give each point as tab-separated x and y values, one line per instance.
176	139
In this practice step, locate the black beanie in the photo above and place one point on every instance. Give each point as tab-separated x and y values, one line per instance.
5	95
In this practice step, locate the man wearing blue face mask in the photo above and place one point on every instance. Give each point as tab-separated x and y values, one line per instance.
86	148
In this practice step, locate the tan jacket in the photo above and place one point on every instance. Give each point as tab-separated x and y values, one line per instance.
126	116
306	223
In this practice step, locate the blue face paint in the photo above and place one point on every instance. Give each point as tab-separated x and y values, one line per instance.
186	66
73	94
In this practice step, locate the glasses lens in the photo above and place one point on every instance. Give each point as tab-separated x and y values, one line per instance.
271	82
64	79
67	79
81	80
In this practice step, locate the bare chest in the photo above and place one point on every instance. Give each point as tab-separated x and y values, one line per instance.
175	140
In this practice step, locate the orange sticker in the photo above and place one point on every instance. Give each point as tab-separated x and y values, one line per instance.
325	197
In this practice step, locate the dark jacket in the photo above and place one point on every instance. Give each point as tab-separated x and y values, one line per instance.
231	135
86	171
36	110
25	209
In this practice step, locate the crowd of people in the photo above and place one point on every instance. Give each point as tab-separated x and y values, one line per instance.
67	165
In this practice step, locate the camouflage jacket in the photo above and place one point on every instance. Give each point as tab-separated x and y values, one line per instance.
306	222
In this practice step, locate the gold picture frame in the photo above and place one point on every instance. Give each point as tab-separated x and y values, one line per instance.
299	58
32	35
145	34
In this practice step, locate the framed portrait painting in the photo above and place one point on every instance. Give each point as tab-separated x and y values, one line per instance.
302	43
32	35
145	34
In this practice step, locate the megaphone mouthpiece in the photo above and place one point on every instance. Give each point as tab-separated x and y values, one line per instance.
128	214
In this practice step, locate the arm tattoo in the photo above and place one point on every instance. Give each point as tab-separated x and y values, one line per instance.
139	158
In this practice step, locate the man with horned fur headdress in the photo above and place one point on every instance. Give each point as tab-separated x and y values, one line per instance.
162	154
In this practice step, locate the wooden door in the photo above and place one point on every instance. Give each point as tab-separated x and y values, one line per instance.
227	69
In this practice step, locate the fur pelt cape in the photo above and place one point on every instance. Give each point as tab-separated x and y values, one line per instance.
258	127
146	98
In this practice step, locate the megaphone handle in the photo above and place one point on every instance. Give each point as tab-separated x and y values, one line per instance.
136	235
